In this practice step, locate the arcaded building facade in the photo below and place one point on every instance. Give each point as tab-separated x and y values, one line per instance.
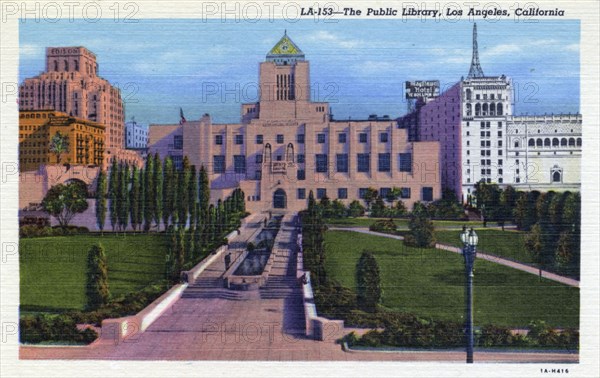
287	145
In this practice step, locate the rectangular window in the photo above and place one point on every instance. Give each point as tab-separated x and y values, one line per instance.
299	138
178	162
342	138
341	162
258	174
363	162
218	140
362	192
301	193
279	138
362	137
259	159
500	161
499	133
219	164
239	139
383	137
384	162
427	193
405	163
404	192
499	124
301	175
321	138
321	192
259	139
300	158
321	162
178	142
384	192
239	163
499	152
342	193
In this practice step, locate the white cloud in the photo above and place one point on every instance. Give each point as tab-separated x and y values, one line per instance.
572	47
29	49
325	36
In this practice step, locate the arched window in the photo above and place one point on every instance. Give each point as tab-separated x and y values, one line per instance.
56	65
477	109
267	158
66	65
555	142
578	142
289	152
563	142
531	142
485	109
469	110
499	109
468	93
76	65
547	142
516	144
492	109
538	142
556	176
571	142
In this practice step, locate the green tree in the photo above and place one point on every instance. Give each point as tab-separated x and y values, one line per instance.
368	283
204	193
123	204
220	211
157	194
113	189
64	201
97	291
563	257
193	196
421	230
355	209
101	200
169	189
141	203
378	208
555	209
211	224
183	179
338	209
393	195
134	197
370	195
150	193
59	144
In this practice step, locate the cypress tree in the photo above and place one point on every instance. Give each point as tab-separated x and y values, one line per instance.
193	196
180	251
197	250
211	224
168	188
368	283
97	291
204	194
124	198
113	186
220	219
101	200
183	192
158	191
134	198
141	203
150	193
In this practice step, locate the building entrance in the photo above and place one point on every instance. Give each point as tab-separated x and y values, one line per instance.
279	199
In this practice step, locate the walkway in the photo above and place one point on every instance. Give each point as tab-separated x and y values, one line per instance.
493	258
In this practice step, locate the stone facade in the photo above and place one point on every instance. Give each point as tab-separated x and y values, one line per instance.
137	135
287	146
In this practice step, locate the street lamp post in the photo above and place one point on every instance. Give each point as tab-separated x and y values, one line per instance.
469	239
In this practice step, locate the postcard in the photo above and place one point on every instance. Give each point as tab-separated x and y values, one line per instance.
295	188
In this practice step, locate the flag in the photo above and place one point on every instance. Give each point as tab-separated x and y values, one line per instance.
182	118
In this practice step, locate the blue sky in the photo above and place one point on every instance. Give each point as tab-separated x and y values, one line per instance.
359	66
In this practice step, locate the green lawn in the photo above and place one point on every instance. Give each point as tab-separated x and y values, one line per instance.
402	223
429	283
53	269
508	244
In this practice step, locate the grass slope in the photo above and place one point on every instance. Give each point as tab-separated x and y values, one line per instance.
429	283
53	270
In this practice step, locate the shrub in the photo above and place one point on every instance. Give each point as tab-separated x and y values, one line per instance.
368	282
45	327
387	226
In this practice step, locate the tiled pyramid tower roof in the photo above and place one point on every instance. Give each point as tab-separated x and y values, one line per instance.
285	51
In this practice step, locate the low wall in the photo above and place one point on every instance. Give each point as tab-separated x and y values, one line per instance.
192	274
128	328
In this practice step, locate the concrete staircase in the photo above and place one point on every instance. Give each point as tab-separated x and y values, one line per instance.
212	287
